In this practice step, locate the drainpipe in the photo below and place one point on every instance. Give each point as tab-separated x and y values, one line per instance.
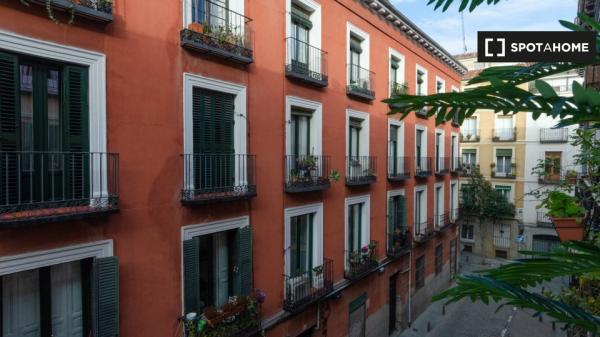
410	288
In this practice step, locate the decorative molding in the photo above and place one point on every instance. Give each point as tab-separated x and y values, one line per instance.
191	231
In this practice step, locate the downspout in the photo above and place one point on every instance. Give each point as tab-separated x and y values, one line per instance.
410	288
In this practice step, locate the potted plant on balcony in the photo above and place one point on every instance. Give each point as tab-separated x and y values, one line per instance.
566	214
196	27
571	177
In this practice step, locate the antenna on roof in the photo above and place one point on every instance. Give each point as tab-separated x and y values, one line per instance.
462	20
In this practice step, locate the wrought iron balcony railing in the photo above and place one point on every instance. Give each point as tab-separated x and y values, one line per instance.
306	173
422	167
505	172
95	10
397	89
454	215
505	135
398	168
57	186
303	288
306	63
549	178
217	177
361	170
469	136
455	165
468	169
362	262
442	165
543	220
399	243
360	83
560	135
423	231
218	31
441	222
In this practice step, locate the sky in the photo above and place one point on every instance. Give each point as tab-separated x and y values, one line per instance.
525	15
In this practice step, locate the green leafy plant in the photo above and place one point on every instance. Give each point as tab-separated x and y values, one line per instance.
562	205
334	175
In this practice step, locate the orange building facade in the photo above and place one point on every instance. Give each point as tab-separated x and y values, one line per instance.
160	160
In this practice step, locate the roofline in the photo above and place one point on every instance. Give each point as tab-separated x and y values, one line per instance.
392	14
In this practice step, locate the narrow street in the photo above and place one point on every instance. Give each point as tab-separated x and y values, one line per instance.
468	319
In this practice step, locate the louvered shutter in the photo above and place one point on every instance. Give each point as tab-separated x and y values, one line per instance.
191	275
9	127
244	273
76	131
106	297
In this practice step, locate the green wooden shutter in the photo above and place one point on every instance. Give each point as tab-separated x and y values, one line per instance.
106	297
191	275
401	212
390	222
10	119
244	274
76	138
503	152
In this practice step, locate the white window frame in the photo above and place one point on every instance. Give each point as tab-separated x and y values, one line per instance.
442	146
400	136
423	141
438	207
233	5
316	123
425	81
512	189
401	73
364	131
190	81
512	159
365	224
465	239
423	210
497	117
317	252
96	65
440	80
312	7
365	46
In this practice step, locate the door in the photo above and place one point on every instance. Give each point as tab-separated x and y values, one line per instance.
393	155
20	304
552	165
418	151
392	303
67	306
300	34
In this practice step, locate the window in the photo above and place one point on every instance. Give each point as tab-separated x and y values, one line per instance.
504	128
301	253
58	300
469	160
503	162
419	144
216	266
301	132
420	211
453	153
397	86
396	163
440	86
502	235
421	160
421	82
439	251
552	169
354	130
396	219
469	129
439	205
301	26
504	190
453	201
466	232
439	151
355	219
420	272
355	65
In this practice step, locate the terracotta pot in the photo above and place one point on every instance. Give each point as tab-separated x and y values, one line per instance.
196	27
569	229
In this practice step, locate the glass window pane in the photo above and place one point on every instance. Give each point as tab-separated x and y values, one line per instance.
20	305
66	297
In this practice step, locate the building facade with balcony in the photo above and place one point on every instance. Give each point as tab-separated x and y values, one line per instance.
519	155
233	157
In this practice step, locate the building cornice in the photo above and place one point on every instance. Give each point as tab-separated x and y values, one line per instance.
402	23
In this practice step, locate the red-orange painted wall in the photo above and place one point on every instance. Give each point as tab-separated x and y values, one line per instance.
145	66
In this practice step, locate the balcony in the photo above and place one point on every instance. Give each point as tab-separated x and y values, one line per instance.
442	166
469	136
305	63
239	317
551	178
360	83
468	169
40	187
549	136
505	172
399	243
454	216
455	165
306	173
441	223
362	262
209	178
505	135
422	167
397	89
398	168
423	231
543	220
93	10
422	113
219	32
304	288
360	170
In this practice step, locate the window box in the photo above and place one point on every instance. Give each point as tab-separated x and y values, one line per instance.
94	10
360	263
306	173
303	288
306	63
361	170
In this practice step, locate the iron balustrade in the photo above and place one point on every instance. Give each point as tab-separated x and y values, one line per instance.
44	186
441	222
505	135
455	166
507	171
543	220
468	169
442	165
423	231
303	288
398	168
360	82
422	167
218	177
469	136
306	63
454	215
305	173
397	89
361	170
399	242
219	31
560	135
361	262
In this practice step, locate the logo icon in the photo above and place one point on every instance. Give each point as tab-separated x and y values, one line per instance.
502	42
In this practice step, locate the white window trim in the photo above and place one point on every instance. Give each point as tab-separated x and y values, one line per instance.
366	220
393	54
364	132
96	64
395	193
316	123
44	258
424	141
439	79
317	232
365	45
442	142
476	153
420	188
512	158
463	239
497	117
233	5
425	81
314	38
512	189
400	137
439	209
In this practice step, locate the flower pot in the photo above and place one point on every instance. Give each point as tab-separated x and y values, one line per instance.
196	27
569	229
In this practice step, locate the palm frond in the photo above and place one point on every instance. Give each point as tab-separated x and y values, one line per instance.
471	4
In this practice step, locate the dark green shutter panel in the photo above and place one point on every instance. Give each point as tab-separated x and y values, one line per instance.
503	152
191	275
301	17
465	151
10	119
390	222
106	297
355	44
401	215
245	261
76	131
394	64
